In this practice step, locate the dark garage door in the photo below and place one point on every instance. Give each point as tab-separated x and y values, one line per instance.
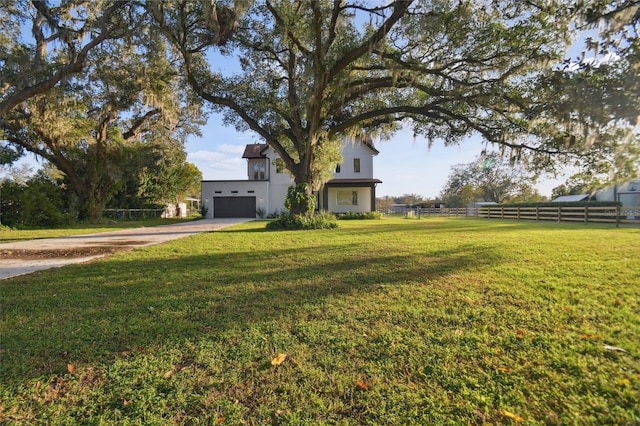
225	207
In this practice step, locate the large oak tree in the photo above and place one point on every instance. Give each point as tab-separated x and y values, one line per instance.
313	72
95	123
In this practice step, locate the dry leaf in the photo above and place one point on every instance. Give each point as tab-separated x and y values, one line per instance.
168	374
590	336
504	370
71	368
219	420
624	382
362	385
511	416
278	359
614	348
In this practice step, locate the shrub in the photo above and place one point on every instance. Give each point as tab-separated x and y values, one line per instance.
289	221
360	216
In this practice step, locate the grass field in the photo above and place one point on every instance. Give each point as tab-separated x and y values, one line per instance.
8	235
396	321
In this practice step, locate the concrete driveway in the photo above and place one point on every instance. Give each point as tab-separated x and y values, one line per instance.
25	257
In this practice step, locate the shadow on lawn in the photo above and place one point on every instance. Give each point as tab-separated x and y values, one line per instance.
92	314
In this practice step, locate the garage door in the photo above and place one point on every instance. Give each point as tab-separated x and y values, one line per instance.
225	207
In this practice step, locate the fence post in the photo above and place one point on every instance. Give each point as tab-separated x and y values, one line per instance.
537	213
618	216
586	214
518	213
559	214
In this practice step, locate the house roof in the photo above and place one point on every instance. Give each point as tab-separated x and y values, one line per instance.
570	198
353	181
368	142
255	150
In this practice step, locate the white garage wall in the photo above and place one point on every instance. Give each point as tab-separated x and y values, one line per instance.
234	188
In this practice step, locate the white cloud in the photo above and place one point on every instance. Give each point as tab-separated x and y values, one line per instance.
223	164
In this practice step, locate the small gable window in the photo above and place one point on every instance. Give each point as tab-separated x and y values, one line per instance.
356	165
337	168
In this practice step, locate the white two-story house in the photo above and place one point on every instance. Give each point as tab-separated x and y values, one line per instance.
352	189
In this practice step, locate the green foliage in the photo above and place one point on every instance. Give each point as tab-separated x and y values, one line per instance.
124	97
288	221
300	200
38	203
490	178
359	216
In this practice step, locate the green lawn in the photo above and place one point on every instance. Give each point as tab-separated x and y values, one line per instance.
8	235
382	322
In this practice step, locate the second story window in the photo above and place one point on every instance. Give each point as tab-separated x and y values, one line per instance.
258	171
356	165
338	168
279	165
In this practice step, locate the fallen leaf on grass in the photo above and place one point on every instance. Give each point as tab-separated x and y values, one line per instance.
278	359
71	368
169	373
362	385
614	348
511	416
504	370
219	420
590	336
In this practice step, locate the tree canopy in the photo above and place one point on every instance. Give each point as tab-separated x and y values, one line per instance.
313	72
105	117
490	178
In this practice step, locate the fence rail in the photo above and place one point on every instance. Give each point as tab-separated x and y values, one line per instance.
133	214
625	215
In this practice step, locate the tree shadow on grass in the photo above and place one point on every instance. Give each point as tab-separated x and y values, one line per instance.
92	314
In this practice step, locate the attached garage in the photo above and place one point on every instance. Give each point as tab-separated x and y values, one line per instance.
234	207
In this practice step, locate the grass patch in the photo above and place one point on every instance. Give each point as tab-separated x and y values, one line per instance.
11	234
360	216
383	322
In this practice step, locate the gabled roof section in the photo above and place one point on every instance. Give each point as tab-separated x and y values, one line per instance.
368	142
255	150
570	198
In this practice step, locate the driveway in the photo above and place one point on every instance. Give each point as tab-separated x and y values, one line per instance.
25	257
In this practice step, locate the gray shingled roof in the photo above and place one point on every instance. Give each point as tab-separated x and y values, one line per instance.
254	150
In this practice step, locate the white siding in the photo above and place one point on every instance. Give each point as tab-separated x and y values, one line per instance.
351	151
363	198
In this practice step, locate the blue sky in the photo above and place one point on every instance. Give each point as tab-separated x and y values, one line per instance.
405	165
